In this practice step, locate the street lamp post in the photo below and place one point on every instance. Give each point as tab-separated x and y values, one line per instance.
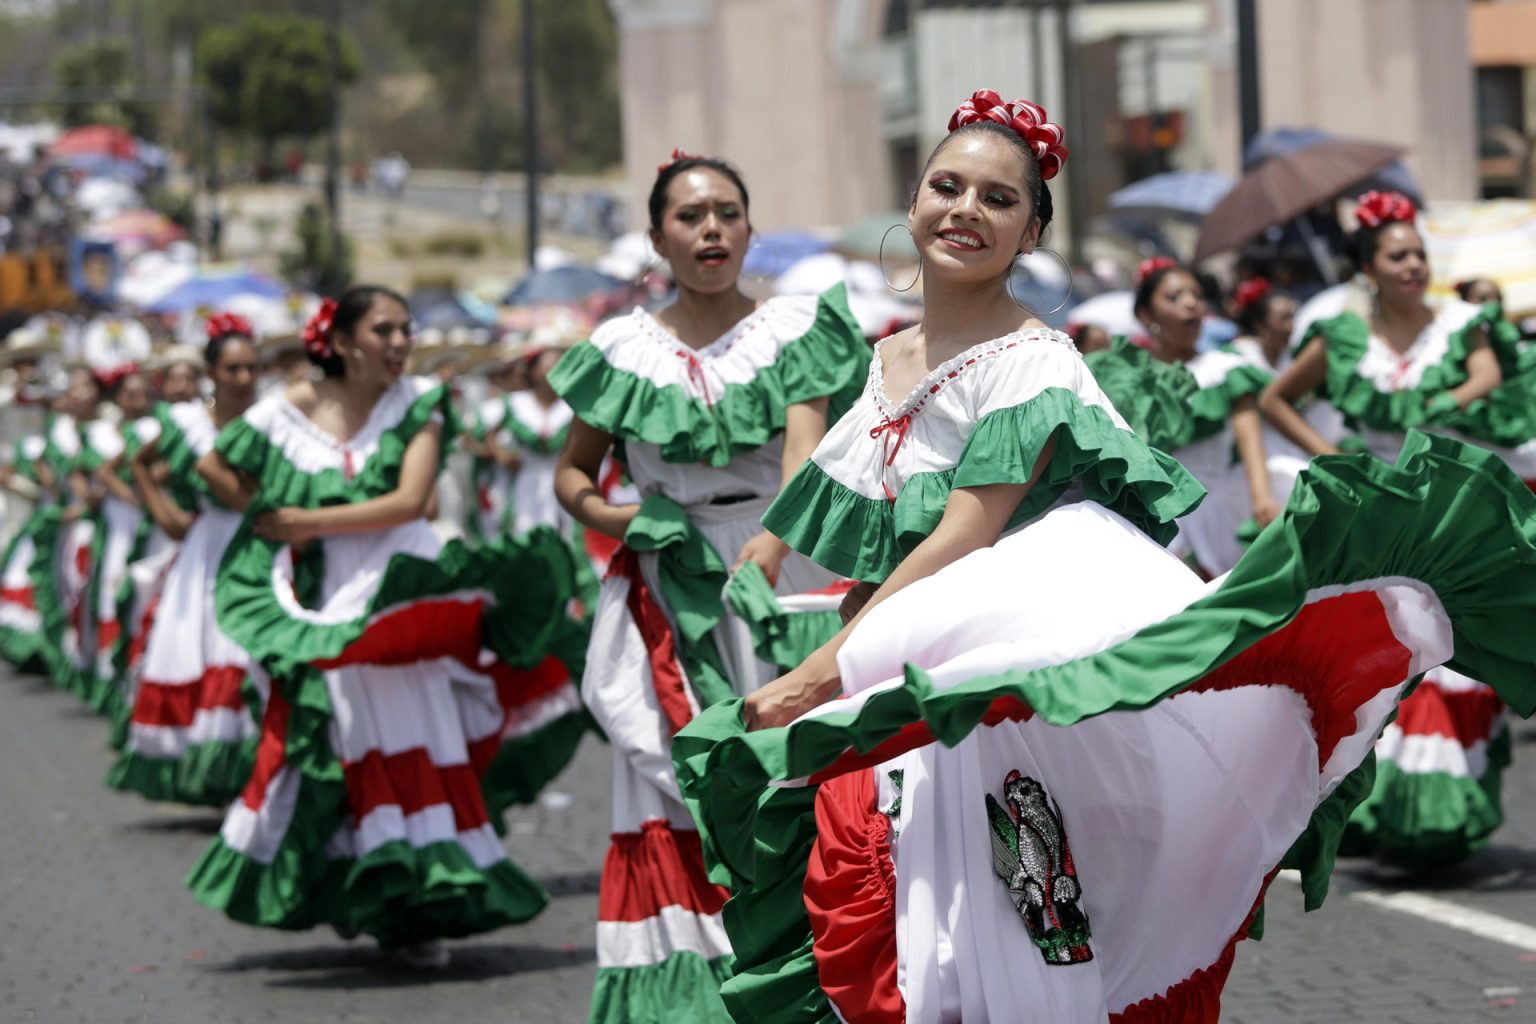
1249	110
530	133
333	136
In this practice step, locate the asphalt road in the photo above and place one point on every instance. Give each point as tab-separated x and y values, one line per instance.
99	928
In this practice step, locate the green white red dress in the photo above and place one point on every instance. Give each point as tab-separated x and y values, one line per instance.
702	437
1440	763
399	667
1063	768
23	641
195	701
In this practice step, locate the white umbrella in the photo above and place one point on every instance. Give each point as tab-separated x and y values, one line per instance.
871	304
100	198
1113	311
628	256
152	276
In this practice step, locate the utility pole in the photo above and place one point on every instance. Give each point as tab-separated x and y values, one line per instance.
1250	114
333	135
530	132
1072	95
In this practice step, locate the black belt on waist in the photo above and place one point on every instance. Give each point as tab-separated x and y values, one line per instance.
732	499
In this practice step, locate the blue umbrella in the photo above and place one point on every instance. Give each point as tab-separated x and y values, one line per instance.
773	252
1281	141
100	165
441	310
212	287
561	285
1186	194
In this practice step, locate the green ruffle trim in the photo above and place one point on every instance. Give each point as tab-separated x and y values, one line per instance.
186	485
779	637
1449	515
531	578
1212	406
530	439
397	893
682	989
46	536
691	576
829	361
866	538
208	774
524	766
1430	819
1505	417
1149	394
284	485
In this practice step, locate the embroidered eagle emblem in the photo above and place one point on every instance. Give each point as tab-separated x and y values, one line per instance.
1031	855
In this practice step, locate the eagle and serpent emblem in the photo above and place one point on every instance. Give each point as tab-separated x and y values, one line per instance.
1031	855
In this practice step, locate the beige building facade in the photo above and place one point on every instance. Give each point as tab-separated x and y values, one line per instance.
787	90
1393	71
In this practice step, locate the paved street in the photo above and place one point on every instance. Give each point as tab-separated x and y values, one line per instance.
98	927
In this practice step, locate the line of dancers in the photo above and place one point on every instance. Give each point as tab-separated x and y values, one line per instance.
971	677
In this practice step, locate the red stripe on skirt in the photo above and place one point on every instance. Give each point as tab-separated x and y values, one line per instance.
175	704
660	646
412	782
850	897
107	633
271	749
438	628
19	595
1466	716
657	867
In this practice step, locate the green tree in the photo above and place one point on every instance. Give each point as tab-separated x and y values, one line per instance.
577	48
268	76
104	69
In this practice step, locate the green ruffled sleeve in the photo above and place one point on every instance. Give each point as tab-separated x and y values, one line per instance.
829	361
866	538
283	484
1211	407
1505	417
1151	395
187	486
530	439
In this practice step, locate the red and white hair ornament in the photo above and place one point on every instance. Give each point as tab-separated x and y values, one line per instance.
1378	208
677	154
223	324
317	333
1152	264
1250	291
1027	119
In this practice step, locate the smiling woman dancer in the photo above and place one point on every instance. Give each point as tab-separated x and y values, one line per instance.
715	401
1045	771
364	809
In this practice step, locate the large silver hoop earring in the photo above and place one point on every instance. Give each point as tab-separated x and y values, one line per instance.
881	259
778	261
1065	298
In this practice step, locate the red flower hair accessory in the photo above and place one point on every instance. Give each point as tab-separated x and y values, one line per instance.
111	378
223	324
1027	119
1378	208
317	333
677	154
1152	264
1250	291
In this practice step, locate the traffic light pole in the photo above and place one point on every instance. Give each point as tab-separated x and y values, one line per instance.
1249	108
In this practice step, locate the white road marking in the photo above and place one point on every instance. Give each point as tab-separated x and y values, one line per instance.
1443	912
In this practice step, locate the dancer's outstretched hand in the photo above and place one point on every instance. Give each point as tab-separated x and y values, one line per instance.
793	694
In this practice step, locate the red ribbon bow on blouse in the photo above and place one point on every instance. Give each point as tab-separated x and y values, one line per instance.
1027	119
1378	208
317	333
221	324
